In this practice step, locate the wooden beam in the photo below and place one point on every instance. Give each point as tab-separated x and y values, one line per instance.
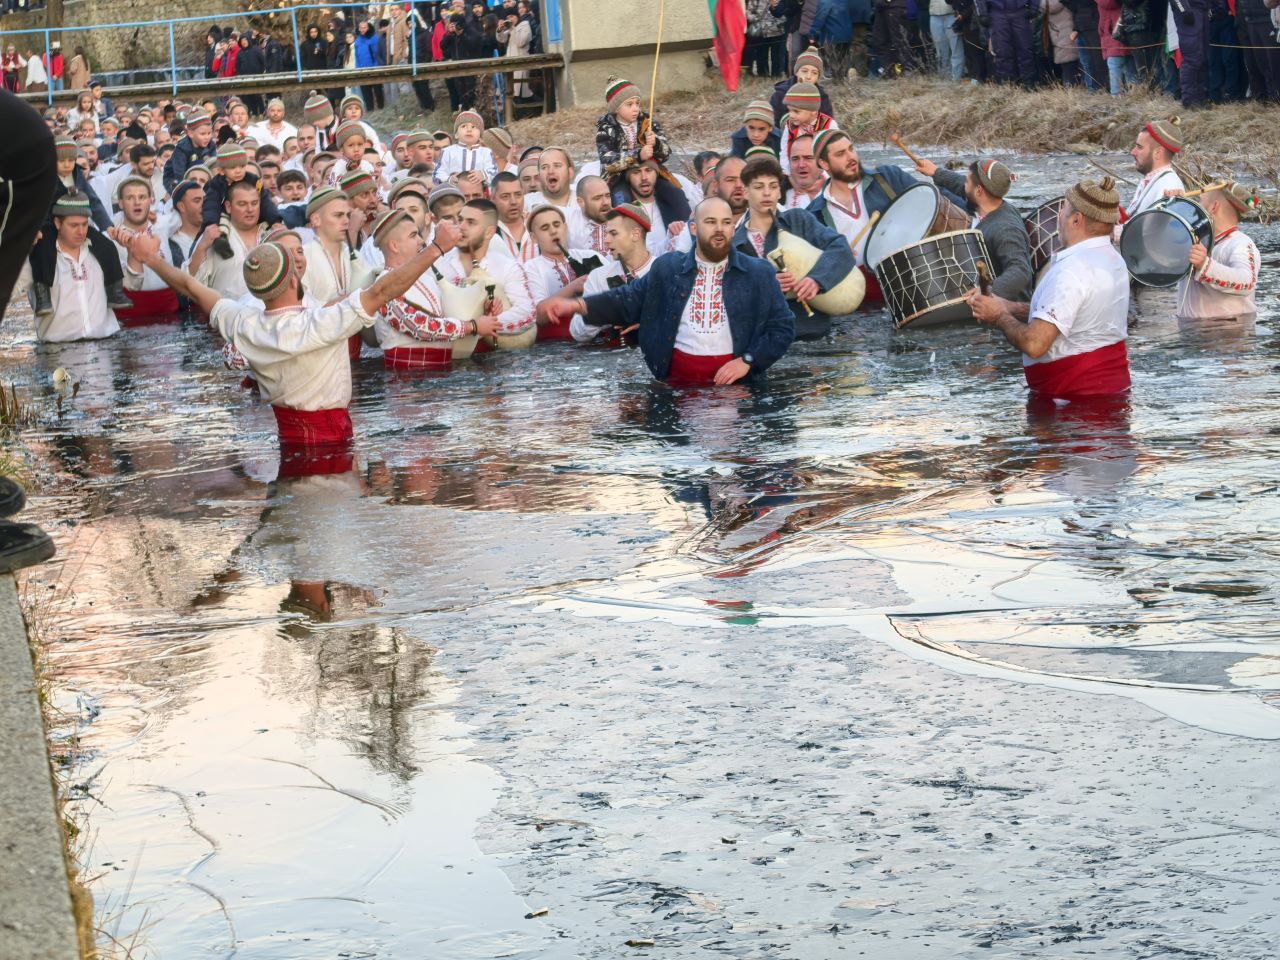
315	79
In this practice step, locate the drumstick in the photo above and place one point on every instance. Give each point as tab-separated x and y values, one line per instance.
853	244
984	278
1109	172
1209	188
897	142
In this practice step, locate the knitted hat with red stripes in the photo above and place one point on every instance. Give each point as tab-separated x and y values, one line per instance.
1166	133
133	181
418	136
1097	201
346	130
321	197
357	182
823	140
468	116
73	203
348	100
633	211
994	176
803	96
195	117
317	110
65	148
232	155
759	110
760	150
398	139
1244	199
810	58
385	223
267	270
617	92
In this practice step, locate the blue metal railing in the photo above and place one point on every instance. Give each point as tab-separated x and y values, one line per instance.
550	11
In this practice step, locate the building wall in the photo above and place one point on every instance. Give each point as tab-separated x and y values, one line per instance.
604	38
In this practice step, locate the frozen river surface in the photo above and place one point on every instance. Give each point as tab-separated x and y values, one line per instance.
873	662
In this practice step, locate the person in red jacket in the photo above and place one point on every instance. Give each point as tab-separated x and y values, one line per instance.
53	65
224	61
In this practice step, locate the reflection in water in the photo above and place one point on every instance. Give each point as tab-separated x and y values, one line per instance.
272	672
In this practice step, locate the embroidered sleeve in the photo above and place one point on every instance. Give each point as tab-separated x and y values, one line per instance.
411	320
232	358
1237	277
520	316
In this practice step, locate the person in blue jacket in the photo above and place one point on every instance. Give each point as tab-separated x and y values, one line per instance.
842	27
711	315
370	52
853	193
757	236
806	69
757	130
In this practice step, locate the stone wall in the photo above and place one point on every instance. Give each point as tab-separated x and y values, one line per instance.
617	38
129	48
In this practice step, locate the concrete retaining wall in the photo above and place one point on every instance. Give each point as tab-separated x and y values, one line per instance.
36	920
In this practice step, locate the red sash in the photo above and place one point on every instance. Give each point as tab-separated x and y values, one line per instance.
874	297
417	358
688	369
313	428
1098	373
554	331
149	306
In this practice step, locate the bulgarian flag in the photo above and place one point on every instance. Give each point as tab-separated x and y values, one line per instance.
729	18
1171	48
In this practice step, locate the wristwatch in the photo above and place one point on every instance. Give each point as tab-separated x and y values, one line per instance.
749	360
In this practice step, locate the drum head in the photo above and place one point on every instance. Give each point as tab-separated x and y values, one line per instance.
908	220
1156	247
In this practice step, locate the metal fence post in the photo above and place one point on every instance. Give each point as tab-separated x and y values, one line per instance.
48	53
297	44
173	62
413	38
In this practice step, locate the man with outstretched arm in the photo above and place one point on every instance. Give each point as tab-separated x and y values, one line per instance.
298	354
711	315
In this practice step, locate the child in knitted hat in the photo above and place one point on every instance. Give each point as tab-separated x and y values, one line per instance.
232	166
757	130
352	108
804	118
466	156
806	69
626	135
350	142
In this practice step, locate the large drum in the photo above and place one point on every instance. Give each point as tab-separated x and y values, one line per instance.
1156	244
924	284
919	211
1042	228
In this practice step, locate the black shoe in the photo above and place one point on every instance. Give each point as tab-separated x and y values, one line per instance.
43	297
22	545
12	498
222	247
116	299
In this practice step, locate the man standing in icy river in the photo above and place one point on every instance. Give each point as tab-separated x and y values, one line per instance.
1073	332
712	315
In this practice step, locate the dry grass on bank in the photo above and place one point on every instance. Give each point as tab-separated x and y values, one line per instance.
965	118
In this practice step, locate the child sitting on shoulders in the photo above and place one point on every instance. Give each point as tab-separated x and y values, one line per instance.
232	167
466	155
626	136
804	119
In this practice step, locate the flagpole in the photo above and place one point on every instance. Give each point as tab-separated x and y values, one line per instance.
657	52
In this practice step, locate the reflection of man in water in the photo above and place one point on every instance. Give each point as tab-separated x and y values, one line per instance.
708	316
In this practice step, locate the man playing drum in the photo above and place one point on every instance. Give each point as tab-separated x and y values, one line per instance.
757	235
1153	152
1222	284
1072	334
1005	232
853	194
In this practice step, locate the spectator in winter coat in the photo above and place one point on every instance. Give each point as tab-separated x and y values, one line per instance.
1011	44
1257	27
251	62
1120	68
971	24
370	53
314	50
841	28
1084	18
1066	55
